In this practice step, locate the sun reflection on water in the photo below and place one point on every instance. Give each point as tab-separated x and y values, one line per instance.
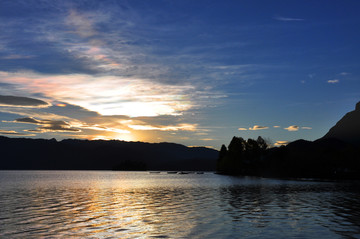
141	205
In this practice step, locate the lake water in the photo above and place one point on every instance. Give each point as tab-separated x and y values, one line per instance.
105	204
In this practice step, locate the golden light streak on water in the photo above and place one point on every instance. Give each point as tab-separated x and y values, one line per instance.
103	204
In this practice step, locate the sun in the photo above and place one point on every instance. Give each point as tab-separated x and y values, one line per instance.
114	136
125	137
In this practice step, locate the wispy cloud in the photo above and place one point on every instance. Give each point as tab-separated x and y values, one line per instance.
207	139
47	125
16	57
100	127
121	62
305	127
288	19
258	127
14	133
184	127
111	69
335	81
292	128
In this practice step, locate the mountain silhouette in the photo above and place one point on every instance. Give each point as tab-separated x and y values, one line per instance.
334	156
348	128
73	154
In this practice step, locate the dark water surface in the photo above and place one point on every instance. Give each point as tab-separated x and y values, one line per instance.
103	204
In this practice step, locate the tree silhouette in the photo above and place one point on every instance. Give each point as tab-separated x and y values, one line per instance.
242	157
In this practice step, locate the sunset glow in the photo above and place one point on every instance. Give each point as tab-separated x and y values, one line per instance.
152	73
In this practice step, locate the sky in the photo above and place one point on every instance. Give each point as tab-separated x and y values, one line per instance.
190	72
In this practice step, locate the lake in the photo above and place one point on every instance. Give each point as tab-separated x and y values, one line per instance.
106	204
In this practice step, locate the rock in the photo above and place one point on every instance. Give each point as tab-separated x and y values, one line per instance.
348	128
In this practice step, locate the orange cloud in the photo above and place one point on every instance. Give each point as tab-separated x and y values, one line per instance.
292	128
258	127
13	132
207	139
281	143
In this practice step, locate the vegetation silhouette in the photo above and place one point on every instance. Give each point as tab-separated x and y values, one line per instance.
241	156
334	156
73	154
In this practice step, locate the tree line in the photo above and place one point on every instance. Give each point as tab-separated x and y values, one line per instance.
322	158
241	156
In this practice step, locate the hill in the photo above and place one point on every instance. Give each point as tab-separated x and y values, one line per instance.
334	156
72	154
347	129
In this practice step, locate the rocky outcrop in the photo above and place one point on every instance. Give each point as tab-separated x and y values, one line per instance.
348	128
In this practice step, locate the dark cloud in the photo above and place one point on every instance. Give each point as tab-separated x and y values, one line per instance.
47	125
70	110
7	100
28	120
6	85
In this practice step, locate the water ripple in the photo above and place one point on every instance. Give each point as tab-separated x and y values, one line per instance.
141	205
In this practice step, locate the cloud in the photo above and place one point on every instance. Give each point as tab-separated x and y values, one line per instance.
258	127
12	132
182	127
292	128
108	95
288	19
35	113
113	61
311	75
305	127
207	139
333	81
17	101
16	57
28	120
47	125
102	48
82	23
344	73
242	129
276	126
281	143
100	127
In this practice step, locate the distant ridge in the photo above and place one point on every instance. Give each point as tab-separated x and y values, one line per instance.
74	154
348	128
